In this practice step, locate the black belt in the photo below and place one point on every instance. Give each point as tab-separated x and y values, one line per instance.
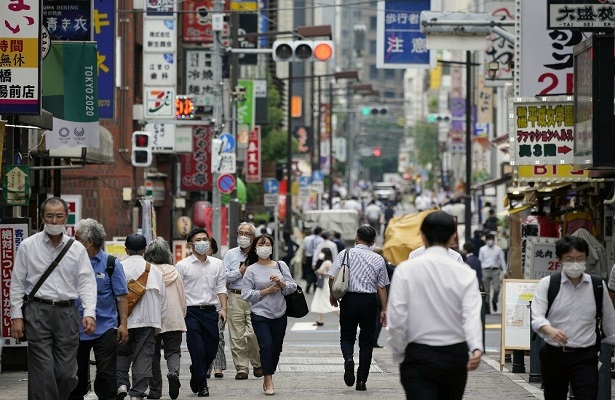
565	349
206	307
55	303
236	291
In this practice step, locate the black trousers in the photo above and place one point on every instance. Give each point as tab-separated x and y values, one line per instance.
358	309
579	369
434	372
202	336
105	353
270	334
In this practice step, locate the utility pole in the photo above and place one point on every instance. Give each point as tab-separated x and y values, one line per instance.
217	119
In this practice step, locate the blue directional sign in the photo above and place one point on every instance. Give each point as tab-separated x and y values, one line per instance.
271	185
228	142
317	175
304	181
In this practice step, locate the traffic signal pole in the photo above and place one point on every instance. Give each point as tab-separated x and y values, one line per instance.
288	221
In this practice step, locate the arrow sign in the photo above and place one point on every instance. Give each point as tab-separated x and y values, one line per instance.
228	143
563	149
271	185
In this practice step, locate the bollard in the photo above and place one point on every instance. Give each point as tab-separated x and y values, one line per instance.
536	344
604	380
518	361
483	317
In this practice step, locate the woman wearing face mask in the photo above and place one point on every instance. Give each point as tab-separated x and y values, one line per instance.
265	284
320	303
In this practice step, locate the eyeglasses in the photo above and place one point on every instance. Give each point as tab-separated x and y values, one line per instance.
248	234
579	259
50	217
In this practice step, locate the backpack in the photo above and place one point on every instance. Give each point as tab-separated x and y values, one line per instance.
554	285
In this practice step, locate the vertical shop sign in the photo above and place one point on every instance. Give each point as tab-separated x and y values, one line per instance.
499	50
198	78
253	155
104	35
195	167
159	69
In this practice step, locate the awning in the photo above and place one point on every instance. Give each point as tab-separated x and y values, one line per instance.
492	182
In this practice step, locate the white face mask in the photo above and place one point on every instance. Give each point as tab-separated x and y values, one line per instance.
573	269
243	241
54	230
490	243
321	256
264	251
201	247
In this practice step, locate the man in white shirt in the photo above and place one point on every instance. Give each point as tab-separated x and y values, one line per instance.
570	354
431	327
52	346
204	281
144	322
373	212
493	264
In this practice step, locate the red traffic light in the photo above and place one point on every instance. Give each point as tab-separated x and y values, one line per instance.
141	140
376	152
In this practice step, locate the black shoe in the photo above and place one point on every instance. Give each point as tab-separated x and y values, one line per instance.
318	323
153	396
194	383
361	386
174	385
203	392
495	306
349	372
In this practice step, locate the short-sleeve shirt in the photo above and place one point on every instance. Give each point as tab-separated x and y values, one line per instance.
367	270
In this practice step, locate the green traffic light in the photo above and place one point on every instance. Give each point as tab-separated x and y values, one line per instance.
365	111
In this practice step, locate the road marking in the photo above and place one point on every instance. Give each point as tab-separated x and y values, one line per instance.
304	326
493	326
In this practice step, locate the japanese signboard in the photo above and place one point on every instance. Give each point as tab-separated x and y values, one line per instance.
245	108
253	155
16	185
159	35
548	173
13	231
545	57
586	15
160	7
71	94
195	167
159	69
20	51
400	43
197	26
159	102
540	259
68	19
198	78
499	50
104	35
541	132
163	137
248	23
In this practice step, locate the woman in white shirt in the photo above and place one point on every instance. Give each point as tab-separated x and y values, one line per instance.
265	283
320	303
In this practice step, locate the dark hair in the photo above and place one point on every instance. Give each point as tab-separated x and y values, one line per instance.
54	200
213	245
327	252
489	236
325	235
366	233
158	252
252	257
468	247
194	232
438	228
317	231
569	243
337	235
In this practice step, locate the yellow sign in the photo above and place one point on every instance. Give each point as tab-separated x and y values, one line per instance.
242	5
552	173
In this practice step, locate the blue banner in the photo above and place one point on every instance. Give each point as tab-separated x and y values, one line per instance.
104	35
68	20
400	41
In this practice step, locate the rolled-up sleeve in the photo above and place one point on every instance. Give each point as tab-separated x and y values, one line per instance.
539	306
87	285
248	292
221	281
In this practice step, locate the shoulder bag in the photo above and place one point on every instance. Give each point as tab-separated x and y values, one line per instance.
137	288
340	282
42	279
296	305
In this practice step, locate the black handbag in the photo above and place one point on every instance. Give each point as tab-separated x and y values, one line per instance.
296	306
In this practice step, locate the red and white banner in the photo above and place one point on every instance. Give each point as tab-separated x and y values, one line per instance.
253	155
197	25
195	167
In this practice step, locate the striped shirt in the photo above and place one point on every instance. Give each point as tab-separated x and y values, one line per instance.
367	269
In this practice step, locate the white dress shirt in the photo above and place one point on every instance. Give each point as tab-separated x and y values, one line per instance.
328	244
151	309
203	282
421	250
573	311
433	300
73	277
492	257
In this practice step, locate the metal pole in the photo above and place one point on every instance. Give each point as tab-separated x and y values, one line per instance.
289	154
604	380
216	220
468	193
233	217
330	128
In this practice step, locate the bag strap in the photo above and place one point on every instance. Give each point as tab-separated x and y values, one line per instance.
50	269
143	278
345	259
554	284
110	268
598	294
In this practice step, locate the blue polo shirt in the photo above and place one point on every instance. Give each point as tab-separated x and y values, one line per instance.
106	308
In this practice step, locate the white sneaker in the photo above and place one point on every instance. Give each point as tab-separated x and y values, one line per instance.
122	391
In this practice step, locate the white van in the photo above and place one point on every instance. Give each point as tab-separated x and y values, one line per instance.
345	222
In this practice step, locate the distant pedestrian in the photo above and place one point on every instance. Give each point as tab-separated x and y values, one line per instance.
494	265
477	241
491	223
265	284
337	239
431	325
111	315
474	263
320	302
373	214
570	354
158	253
52	346
291	247
366	282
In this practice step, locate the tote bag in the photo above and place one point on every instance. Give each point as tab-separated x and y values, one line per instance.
340	282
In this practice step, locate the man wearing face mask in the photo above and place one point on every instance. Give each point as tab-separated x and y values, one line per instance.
205	285
493	264
244	346
568	327
52	347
